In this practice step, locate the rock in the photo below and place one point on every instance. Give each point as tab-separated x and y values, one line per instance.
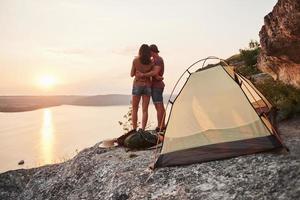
132	155
205	187
97	173
280	43
21	162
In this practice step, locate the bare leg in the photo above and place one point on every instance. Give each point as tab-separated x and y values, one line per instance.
135	107
160	109
145	105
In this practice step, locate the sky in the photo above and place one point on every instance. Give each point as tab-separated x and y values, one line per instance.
87	46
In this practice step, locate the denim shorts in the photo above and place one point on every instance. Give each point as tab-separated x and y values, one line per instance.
141	90
157	95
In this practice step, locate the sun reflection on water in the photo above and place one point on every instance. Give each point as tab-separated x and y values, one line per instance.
47	137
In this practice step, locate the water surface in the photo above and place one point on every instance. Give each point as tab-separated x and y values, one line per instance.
52	135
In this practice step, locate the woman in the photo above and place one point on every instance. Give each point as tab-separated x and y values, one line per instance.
141	85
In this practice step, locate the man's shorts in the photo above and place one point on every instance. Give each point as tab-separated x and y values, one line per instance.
157	95
141	90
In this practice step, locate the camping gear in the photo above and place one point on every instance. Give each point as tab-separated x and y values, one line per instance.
133	140
120	140
108	143
141	140
217	114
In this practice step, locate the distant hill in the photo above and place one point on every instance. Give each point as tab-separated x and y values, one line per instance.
28	103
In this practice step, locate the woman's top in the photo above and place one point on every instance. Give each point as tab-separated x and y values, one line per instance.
138	66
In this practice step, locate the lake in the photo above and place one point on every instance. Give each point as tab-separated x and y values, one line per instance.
55	134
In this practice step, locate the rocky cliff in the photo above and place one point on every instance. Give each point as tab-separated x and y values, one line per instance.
97	173
280	42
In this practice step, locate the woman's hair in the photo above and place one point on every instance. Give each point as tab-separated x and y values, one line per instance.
145	54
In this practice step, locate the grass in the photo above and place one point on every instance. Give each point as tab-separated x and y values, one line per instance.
248	71
234	58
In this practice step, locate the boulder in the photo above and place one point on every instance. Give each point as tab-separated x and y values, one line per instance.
280	43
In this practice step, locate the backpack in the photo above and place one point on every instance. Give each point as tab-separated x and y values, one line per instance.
141	140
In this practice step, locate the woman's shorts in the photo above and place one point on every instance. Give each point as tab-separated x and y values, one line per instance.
141	90
157	95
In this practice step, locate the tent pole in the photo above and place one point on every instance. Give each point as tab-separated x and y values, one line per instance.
254	90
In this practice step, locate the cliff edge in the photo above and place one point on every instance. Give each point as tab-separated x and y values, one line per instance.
97	173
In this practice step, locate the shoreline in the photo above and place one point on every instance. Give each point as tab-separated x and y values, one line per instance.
28	109
25	109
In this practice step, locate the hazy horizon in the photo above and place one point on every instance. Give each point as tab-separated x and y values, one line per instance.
63	95
64	47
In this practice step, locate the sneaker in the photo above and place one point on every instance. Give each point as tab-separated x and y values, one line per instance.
140	130
157	129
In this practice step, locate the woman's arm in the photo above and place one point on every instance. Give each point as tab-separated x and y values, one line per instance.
133	70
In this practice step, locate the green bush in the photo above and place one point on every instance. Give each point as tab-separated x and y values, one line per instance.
249	57
248	70
285	97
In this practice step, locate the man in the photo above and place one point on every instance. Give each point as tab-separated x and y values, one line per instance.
157	86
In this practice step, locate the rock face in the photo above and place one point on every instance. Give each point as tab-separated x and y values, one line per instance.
280	42
97	173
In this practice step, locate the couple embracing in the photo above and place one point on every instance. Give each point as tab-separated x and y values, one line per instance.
147	70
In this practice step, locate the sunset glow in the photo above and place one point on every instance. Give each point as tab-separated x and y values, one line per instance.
47	81
47	137
86	47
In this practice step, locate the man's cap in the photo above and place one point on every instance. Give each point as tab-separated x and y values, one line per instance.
154	48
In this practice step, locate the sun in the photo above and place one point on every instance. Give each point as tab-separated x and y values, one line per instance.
47	81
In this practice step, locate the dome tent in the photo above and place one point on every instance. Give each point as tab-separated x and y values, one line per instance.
217	114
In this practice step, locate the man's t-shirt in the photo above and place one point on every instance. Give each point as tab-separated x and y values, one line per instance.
159	83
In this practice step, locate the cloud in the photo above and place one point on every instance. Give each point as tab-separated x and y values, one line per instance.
126	51
70	51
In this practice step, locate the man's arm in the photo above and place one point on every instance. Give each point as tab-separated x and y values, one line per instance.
154	72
